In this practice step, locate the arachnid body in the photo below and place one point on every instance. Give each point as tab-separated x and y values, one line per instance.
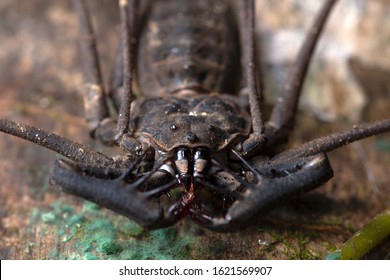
191	146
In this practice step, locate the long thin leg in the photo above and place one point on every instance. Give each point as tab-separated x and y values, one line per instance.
95	106
251	78
128	14
116	79
63	146
337	139
283	115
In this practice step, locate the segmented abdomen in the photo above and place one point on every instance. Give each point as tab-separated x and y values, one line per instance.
188	44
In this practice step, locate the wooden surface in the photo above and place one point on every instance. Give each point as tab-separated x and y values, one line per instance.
40	75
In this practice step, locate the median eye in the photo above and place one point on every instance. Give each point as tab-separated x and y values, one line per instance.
191	137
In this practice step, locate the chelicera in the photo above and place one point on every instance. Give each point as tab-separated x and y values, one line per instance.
195	142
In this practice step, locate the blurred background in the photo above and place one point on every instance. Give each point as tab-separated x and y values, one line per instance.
348	82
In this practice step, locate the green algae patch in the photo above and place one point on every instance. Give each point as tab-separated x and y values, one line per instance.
111	248
48	218
91	233
162	244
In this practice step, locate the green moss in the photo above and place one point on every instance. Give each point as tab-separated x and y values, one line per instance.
89	256
294	243
218	248
160	244
92	233
48	218
89	207
111	248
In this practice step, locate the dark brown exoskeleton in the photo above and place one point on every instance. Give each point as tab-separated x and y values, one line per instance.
195	143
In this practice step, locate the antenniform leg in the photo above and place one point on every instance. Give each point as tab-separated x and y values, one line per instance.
128	14
63	146
251	81
100	123
282	119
